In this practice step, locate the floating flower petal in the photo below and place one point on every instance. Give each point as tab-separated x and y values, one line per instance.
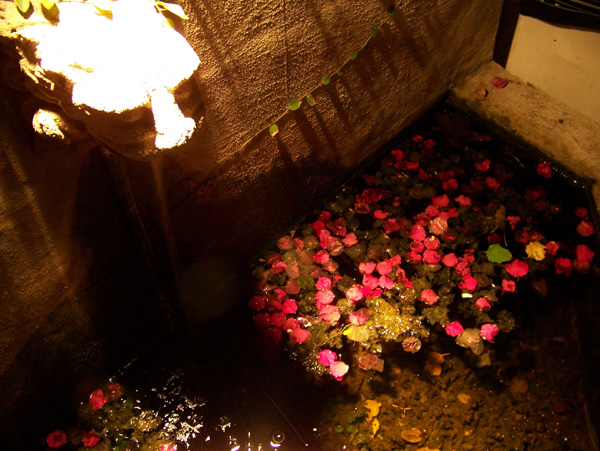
517	268
488	331
454	329
338	369
327	357
56	439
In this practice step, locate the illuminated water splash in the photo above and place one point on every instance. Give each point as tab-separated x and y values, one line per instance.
184	422
181	415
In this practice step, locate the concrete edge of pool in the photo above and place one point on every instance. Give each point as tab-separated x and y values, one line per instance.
529	116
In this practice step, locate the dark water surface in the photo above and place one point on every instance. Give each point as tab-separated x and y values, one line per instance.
213	389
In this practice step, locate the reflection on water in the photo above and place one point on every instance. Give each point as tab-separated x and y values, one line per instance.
217	392
214	389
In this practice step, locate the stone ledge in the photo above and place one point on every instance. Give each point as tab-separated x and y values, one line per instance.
532	117
529	116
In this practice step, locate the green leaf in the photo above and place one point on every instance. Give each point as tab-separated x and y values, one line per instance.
305	281
392	11
340	73
170	22
103	8
374	31
498	254
326	79
294	104
48	4
310	100
23	5
173	8
273	130
353	55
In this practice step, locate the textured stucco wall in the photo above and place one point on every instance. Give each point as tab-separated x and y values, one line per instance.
233	188
73	300
230	190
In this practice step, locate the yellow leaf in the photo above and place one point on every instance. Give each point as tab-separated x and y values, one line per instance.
464	398
374	427
412	435
536	250
372	407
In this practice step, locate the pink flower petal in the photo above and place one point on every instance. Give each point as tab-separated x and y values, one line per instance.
380	214
499	82
391	225
454	329
262	320
323	283
330	313
299	335
418	233
285	243
324	297
468	283
431	257
289	306
384	268
385	282
483	304
327	357
354	293
321	257
366	268
450	260
350	239
359	317
338	369
441	201
369	281
508	286
429	297
488	331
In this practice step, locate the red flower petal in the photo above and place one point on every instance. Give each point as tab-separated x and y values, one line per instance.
517	268
585	228
97	399
499	82
56	439
91	439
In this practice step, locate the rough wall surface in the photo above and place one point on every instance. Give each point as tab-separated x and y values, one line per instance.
71	289
231	189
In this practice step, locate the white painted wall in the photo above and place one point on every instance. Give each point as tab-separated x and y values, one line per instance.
563	61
